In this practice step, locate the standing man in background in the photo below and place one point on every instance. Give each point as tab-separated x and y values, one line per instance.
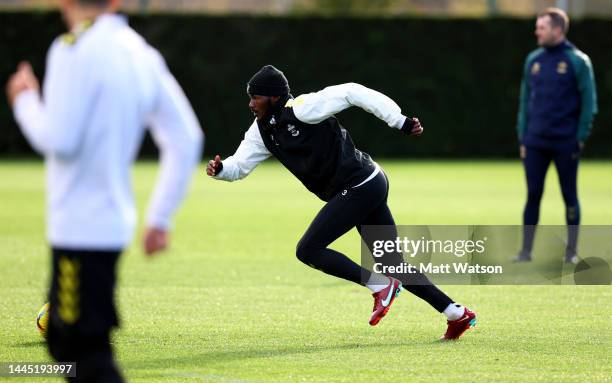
558	102
103	85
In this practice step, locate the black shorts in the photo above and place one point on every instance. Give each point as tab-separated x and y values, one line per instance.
82	292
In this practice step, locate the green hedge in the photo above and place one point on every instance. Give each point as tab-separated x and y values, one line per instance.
461	77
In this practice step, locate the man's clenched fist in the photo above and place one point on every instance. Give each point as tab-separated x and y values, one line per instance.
412	127
215	166
23	79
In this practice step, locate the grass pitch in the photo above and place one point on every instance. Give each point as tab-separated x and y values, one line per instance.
230	302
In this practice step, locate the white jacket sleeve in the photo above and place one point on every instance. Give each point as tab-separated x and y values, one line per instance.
56	125
313	108
250	153
177	133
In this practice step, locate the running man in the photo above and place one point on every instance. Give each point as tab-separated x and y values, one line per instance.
305	136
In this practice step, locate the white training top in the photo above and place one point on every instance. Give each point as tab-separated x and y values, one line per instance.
99	93
312	108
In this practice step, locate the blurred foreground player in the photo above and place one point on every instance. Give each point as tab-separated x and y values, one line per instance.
103	85
557	105
305	136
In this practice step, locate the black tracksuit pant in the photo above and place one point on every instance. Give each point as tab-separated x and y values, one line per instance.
354	207
536	162
82	313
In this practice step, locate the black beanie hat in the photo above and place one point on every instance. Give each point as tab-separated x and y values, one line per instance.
269	81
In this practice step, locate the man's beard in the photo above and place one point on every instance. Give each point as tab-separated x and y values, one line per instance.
270	110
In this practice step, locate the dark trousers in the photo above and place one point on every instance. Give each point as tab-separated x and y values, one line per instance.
83	313
355	207
536	164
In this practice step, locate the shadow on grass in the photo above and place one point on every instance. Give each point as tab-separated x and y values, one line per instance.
32	344
228	356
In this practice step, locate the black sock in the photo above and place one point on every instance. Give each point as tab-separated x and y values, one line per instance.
419	285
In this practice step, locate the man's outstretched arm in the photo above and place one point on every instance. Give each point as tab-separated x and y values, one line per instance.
251	152
315	107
